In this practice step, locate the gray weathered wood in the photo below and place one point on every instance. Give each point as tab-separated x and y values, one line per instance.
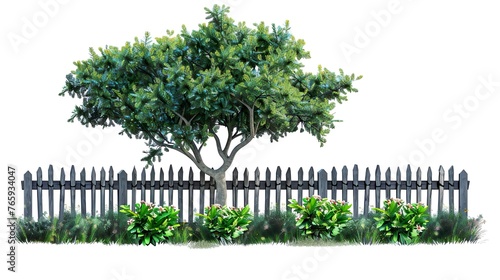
161	186
102	190
234	187
288	188
311	182
419	185
256	192
355	191
61	194
246	186
72	185
267	197
134	188
440	190
300	185
111	184
429	190
39	192
83	194
408	184
143	185
322	183
93	179
334	183
51	192
278	189
170	186
378	184
190	195
463	187
122	189
202	192
388	183
28	185
180	194
344	183
398	183
152	189
366	206
451	188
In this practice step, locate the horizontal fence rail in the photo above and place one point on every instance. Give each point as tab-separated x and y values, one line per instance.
126	190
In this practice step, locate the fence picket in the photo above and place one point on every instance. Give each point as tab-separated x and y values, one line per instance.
72	185
278	189
408	184
366	207
451	188
39	192
83	194
355	191
440	189
377	186
429	190
51	192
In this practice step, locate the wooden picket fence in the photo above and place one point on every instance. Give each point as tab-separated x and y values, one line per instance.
126	190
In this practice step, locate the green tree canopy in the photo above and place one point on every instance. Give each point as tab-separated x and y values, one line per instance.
178	91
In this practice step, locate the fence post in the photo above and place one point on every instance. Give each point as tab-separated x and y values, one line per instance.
122	189
27	184
463	186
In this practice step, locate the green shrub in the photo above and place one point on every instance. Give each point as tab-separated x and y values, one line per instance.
150	224
400	222
320	218
277	227
226	223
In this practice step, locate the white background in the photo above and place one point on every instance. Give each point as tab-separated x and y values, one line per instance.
429	97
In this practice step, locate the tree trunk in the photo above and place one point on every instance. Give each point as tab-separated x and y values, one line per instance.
220	188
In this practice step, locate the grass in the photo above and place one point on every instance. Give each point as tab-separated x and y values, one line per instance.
277	227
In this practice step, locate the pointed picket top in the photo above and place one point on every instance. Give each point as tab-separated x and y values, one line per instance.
170	176
408	175
441	175
93	176
202	178
268	177
344	174
63	177
388	177
367	176
451	175
300	179
257	177
235	176
181	176
143	177
134	177
334	176
51	175
39	176
152	174
278	175
82	177
162	176
288	177
111	177
190	176
355	175
429	174
103	177
311	176
377	175
246	178
72	176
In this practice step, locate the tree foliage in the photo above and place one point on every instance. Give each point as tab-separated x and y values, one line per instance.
178	91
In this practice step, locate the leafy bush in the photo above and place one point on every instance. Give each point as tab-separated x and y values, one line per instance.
320	218
400	222
226	223
150	224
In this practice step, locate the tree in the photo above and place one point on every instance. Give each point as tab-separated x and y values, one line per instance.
224	81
